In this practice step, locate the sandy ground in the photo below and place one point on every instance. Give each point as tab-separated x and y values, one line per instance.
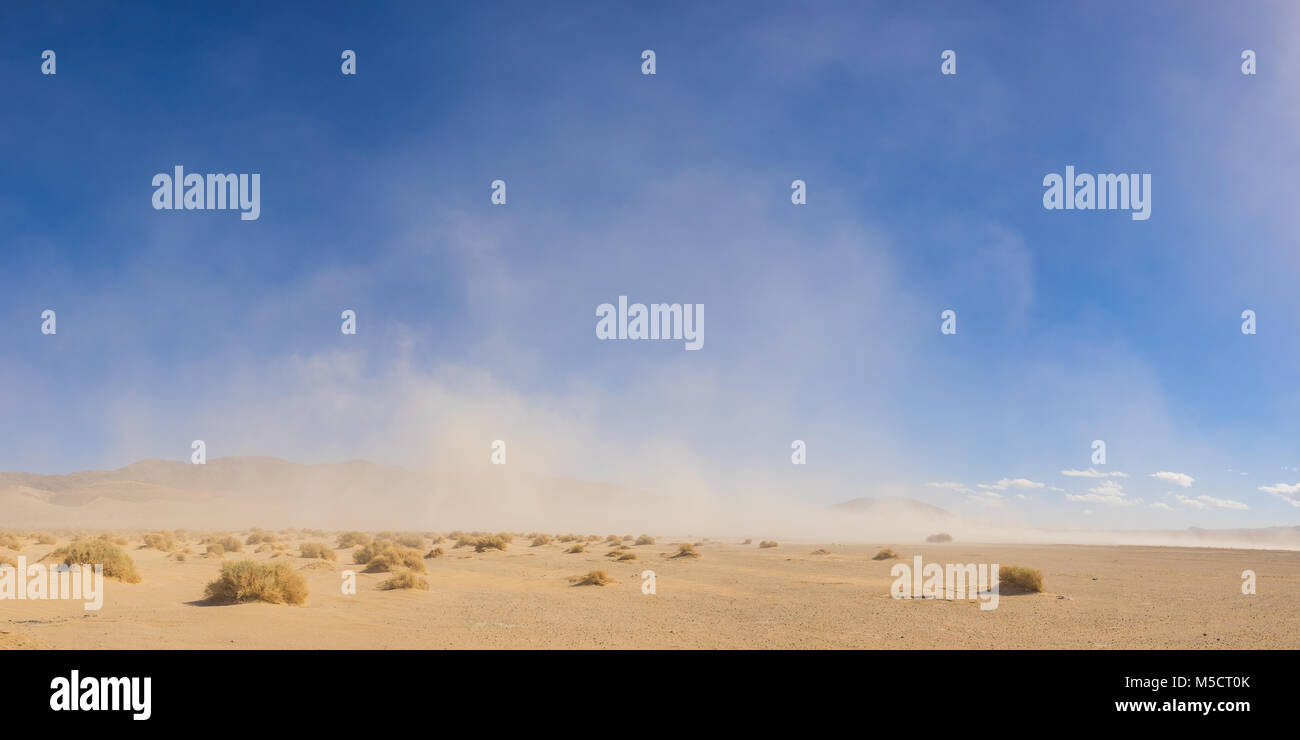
734	596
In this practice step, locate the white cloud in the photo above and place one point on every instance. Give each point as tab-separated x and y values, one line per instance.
1109	493
985	498
1288	492
1161	505
1209	502
1092	473
1181	479
951	486
1005	483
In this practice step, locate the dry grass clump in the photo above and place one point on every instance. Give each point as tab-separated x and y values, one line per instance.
820	551
115	539
246	580
216	551
490	542
567	537
593	578
317	551
352	539
10	541
436	552
318	565
405	579
1014	578
230	544
117	564
44	538
627	556
768	543
686	550
941	537
576	548
414	541
644	539
369	551
748	541
542	539
260	537
885	554
394	558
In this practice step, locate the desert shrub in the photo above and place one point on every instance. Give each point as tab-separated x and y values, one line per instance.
367	552
405	579
541	539
410	540
821	551
216	551
506	537
645	539
627	556
593	578
46	539
246	580
567	537
317	551
436	552
748	541
231	544
576	548
489	542
260	537
885	554
352	539
768	543
10	541
686	550
1015	578
394	558
264	547
941	537
117	564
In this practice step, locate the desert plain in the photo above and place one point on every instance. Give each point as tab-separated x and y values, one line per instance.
734	595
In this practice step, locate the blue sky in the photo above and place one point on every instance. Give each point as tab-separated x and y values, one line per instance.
476	321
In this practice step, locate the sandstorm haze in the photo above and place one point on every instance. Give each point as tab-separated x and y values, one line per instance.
476	321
